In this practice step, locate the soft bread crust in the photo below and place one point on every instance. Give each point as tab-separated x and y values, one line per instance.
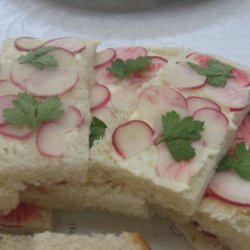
21	162
230	223
55	241
111	196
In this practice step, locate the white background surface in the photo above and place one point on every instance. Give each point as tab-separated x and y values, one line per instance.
216	26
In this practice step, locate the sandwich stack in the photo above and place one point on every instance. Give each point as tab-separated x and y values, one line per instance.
128	130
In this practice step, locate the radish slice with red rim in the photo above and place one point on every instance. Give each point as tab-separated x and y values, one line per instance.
49	81
232	96
181	76
132	137
241	77
148	73
179	171
49	140
99	96
71	119
104	57
16	131
194	103
215	126
199	58
72	44
5	102
105	114
125	53
27	43
103	76
228	187
158	100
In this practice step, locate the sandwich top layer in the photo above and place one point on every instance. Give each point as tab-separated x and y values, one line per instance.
184	119
45	116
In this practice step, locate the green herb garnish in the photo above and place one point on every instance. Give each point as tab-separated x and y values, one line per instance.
240	163
97	130
217	73
179	134
124	68
28	111
39	58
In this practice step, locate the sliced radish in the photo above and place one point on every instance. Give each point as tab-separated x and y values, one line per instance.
99	96
215	125
63	57
103	76
178	171
6	101
227	186
180	75
194	103
148	73
71	119
243	131
124	98
106	115
158	100
49	140
232	96
49	81
125	53
16	131
104	57
242	77
199	58
27	43
73	44
132	137
21	215
157	62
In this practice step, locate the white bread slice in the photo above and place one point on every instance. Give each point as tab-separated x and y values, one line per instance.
21	163
230	223
112	197
166	192
40	222
199	240
56	241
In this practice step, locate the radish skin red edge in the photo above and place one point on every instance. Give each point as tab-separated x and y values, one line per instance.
138	131
79	47
104	57
19	43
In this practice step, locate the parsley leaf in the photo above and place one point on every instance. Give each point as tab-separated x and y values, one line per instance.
179	134
97	130
124	68
39	58
240	162
217	73
28	111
